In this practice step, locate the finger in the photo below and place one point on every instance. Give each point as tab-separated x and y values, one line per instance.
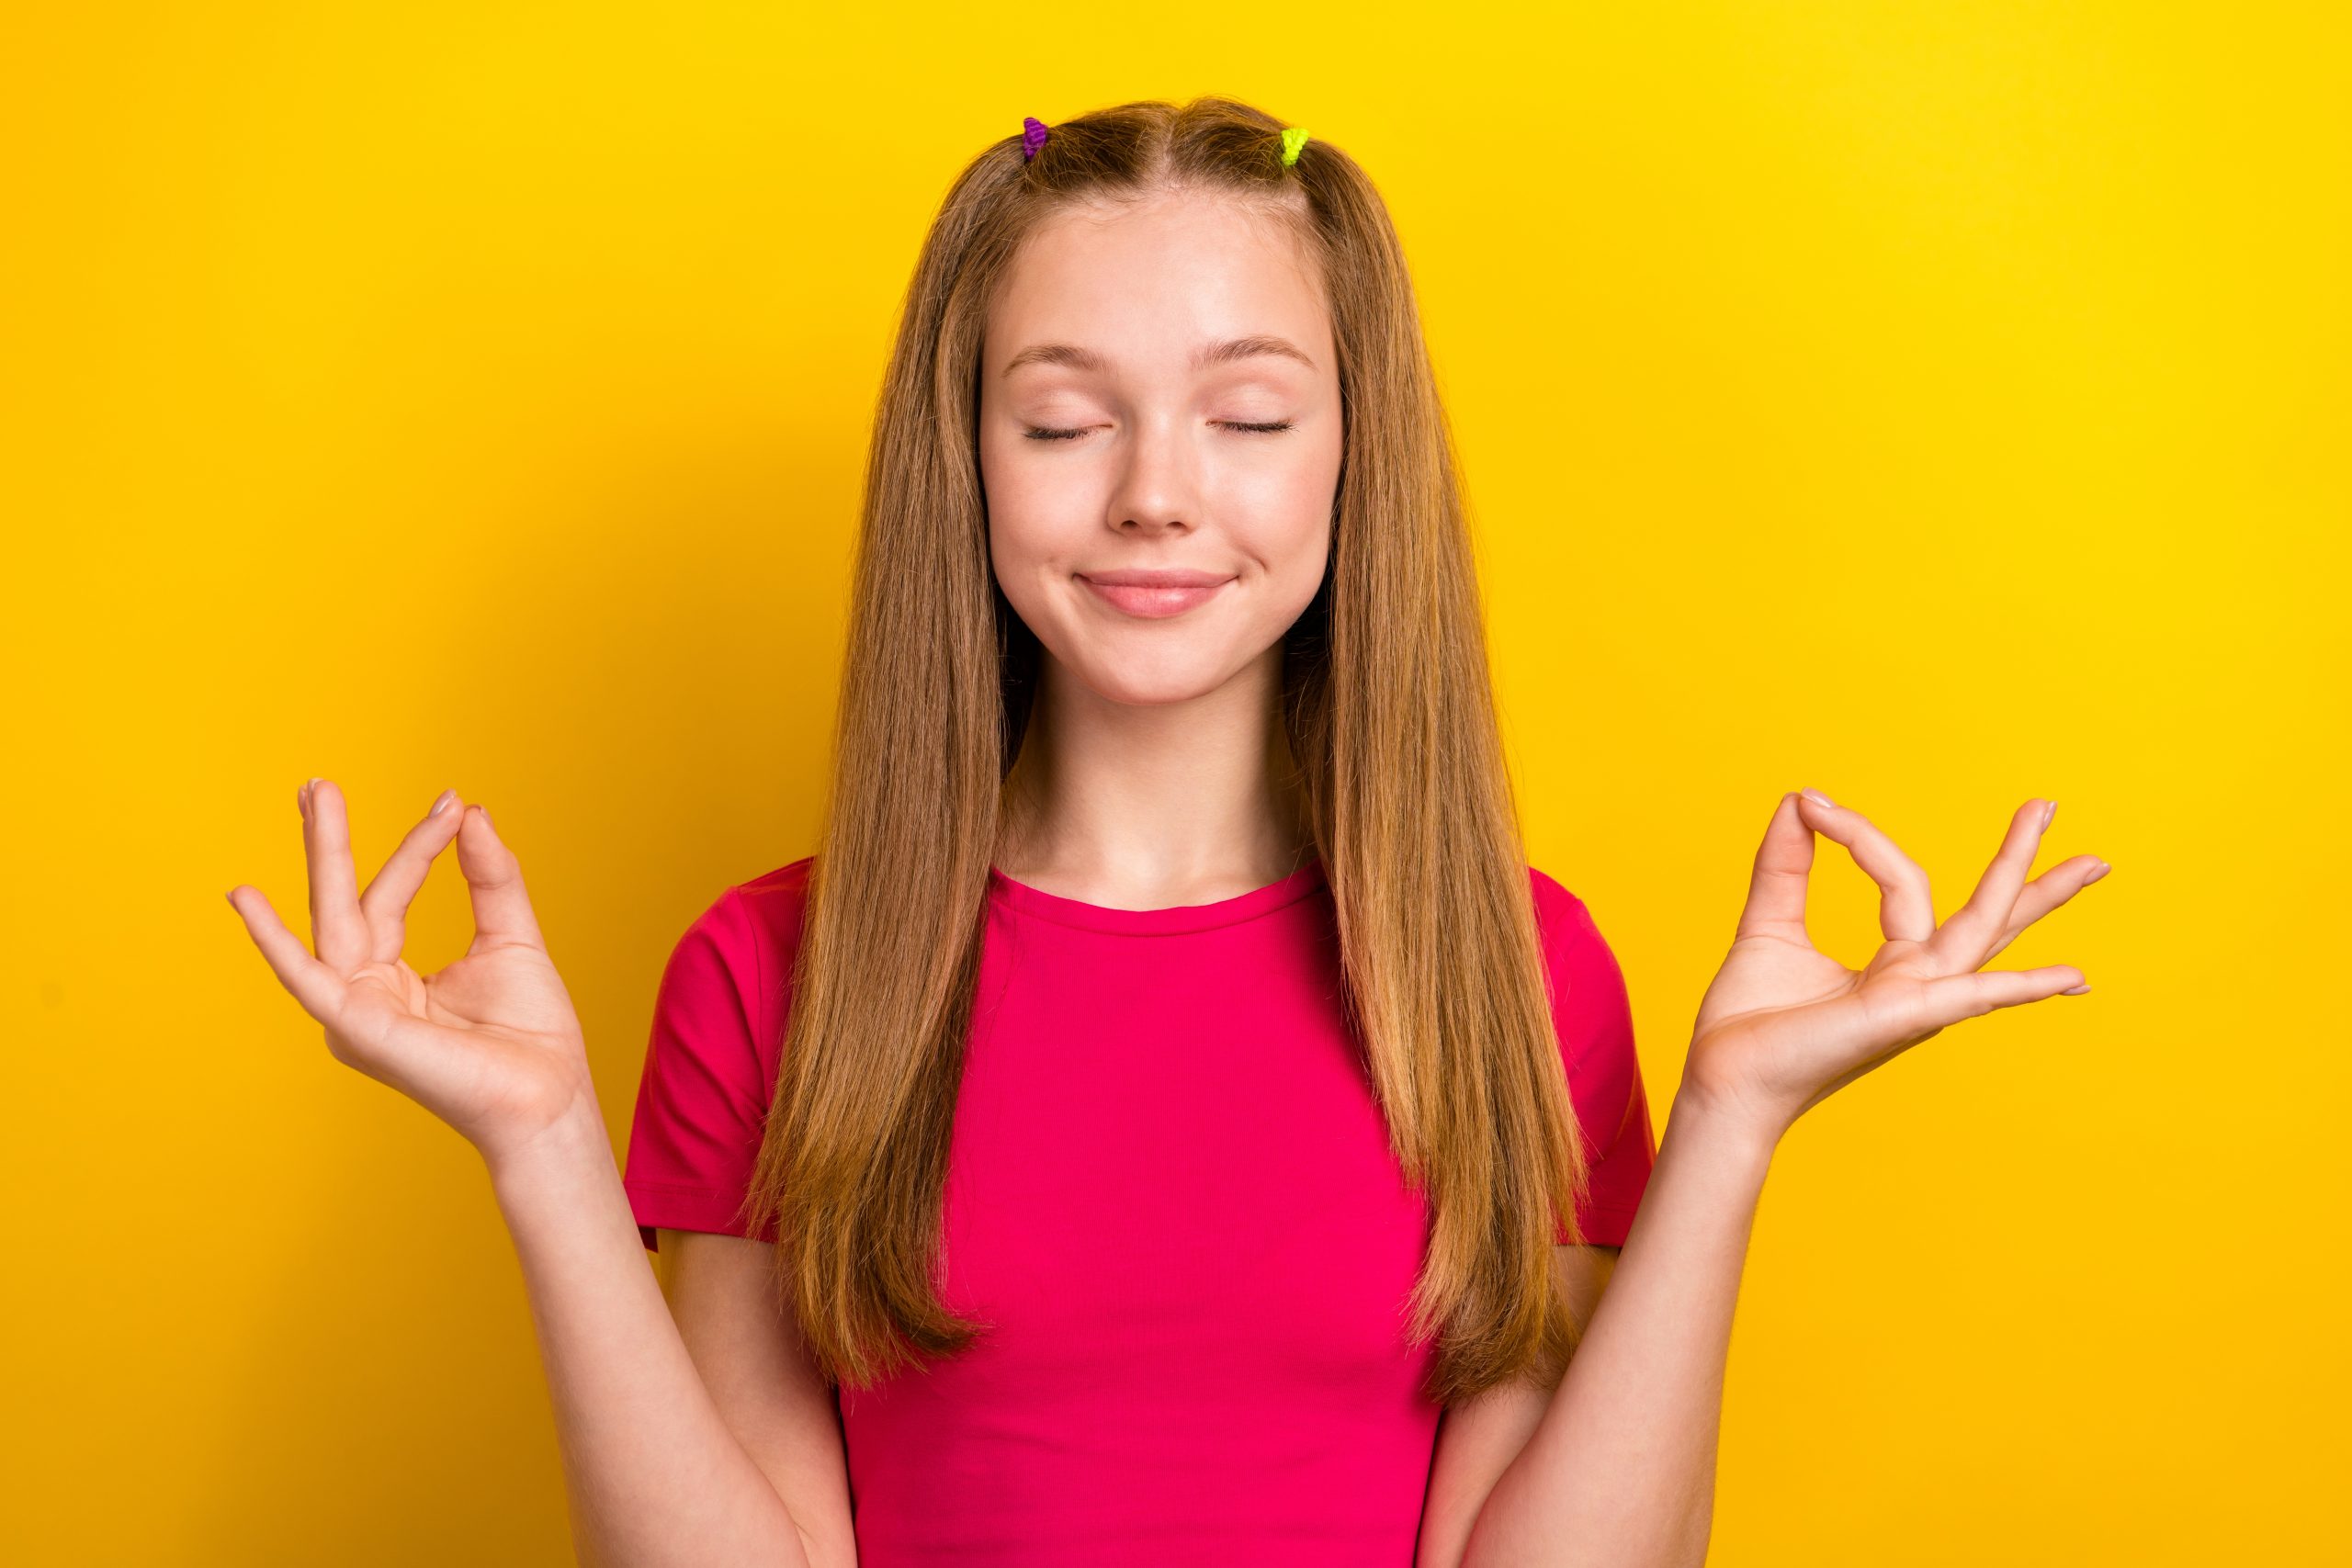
316	986
338	931
1965	940
1906	912
1776	887
494	878
1957	996
2046	892
393	888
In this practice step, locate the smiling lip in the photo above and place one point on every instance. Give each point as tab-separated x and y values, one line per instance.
1154	594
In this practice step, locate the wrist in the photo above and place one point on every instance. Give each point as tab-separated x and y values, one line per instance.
572	1139
1727	1118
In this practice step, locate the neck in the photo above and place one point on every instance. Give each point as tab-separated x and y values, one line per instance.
1145	804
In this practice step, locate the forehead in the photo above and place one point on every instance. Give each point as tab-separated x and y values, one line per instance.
1140	279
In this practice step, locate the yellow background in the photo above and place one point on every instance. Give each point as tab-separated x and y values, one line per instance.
1936	404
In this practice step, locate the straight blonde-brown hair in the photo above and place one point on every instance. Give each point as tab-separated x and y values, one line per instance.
1389	711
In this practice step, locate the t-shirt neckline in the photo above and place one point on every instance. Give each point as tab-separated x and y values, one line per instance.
1168	921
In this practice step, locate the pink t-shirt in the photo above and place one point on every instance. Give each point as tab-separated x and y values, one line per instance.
1171	1189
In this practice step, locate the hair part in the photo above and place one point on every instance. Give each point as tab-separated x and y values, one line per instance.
1389	706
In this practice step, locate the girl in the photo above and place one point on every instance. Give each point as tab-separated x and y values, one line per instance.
1167	1121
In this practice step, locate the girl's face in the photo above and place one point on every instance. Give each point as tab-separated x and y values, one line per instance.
1160	399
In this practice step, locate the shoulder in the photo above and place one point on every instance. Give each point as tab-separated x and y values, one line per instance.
740	948
772	904
762	911
1573	945
1590	1005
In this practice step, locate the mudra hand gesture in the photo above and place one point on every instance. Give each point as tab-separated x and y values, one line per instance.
489	1044
1784	1026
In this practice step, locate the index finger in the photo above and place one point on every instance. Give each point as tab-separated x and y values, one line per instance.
393	887
1907	910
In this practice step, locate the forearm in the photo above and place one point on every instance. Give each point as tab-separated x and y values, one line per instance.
655	1477
1620	1471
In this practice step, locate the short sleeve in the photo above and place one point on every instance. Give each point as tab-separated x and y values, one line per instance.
702	1100
1594	1019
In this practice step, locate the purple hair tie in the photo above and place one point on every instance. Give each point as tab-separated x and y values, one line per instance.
1033	136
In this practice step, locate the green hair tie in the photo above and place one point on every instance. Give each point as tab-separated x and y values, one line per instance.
1294	139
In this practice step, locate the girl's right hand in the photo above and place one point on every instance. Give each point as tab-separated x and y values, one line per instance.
490	1044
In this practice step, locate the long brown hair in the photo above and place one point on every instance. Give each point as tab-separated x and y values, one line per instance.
1388	709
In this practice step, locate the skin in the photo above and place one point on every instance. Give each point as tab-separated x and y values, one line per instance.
694	1427
1152	776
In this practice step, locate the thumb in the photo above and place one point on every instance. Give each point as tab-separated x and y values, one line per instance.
494	882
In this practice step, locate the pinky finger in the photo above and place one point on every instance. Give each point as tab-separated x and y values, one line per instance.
318	988
1956	997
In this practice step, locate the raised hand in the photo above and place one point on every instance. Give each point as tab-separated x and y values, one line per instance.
1784	1026
489	1044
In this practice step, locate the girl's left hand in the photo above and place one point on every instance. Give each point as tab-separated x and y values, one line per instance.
1784	1026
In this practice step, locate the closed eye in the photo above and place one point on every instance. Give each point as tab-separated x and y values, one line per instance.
1269	428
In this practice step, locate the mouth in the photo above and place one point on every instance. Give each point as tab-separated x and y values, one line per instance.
1154	595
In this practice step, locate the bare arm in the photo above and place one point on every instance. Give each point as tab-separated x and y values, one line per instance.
490	1044
1621	1469
1478	1438
747	1346
655	1475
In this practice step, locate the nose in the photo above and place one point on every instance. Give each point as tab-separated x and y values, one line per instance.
1157	487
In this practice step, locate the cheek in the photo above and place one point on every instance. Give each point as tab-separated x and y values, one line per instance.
1021	505
1016	546
1285	511
1031	477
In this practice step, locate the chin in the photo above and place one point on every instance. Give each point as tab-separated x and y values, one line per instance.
1153	681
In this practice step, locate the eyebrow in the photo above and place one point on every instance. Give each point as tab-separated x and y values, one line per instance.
1226	351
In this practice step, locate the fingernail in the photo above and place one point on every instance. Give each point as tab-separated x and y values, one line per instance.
2048	812
2075	990
2103	869
485	819
442	803
303	798
1818	798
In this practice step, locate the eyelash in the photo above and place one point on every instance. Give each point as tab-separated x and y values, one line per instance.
1269	428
